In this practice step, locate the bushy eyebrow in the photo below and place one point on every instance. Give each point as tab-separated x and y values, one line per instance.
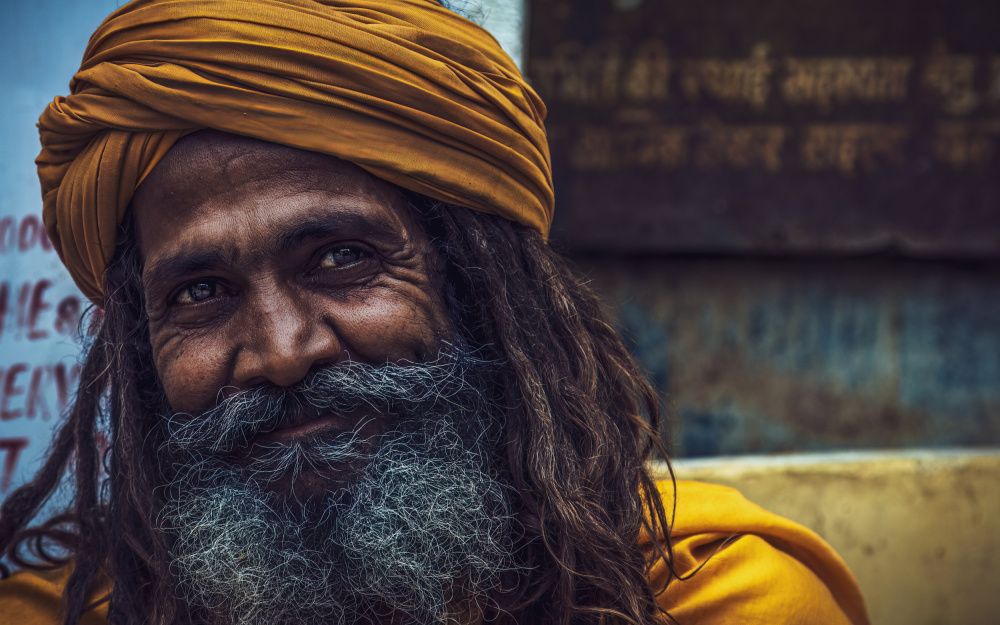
354	226
184	263
166	270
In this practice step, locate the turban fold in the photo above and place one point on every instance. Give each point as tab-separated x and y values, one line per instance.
406	89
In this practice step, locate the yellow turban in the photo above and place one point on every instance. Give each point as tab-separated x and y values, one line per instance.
408	90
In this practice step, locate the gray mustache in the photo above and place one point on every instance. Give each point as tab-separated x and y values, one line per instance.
455	378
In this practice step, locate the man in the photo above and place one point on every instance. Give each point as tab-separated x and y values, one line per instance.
344	378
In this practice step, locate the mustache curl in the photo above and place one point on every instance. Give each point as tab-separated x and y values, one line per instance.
317	454
391	389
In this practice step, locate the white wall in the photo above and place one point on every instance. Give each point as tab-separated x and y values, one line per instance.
507	20
42	44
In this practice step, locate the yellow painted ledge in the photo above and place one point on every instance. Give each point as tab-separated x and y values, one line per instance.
919	528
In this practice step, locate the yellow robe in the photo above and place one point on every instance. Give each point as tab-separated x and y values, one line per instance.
759	568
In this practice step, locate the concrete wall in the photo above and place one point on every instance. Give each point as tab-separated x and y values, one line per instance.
763	356
920	529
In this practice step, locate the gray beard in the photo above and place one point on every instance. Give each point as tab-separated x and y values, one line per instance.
419	533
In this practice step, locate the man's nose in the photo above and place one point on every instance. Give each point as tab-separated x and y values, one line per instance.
285	337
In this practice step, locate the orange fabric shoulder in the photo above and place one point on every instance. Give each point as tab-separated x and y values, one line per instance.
756	567
35	598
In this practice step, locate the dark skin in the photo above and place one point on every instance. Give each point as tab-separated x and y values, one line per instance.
262	262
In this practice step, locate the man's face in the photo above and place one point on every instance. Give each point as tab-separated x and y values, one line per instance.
329	458
263	262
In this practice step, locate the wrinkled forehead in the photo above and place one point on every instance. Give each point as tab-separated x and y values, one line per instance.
210	161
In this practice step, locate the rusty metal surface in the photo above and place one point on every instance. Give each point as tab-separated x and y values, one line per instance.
780	356
773	126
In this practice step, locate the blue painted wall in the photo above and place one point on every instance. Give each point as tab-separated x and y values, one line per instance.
793	355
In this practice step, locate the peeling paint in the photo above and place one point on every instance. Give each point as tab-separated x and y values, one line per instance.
775	356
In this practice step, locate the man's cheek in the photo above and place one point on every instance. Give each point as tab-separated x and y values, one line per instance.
192	372
394	327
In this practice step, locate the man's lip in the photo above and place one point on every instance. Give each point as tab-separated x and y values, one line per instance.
302	430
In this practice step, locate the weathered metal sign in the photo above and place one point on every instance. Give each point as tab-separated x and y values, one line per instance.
773	126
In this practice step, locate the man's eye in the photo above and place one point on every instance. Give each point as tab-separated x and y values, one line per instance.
341	256
197	292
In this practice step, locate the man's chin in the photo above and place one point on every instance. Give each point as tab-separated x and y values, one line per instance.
422	520
321	460
309	484
301	477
